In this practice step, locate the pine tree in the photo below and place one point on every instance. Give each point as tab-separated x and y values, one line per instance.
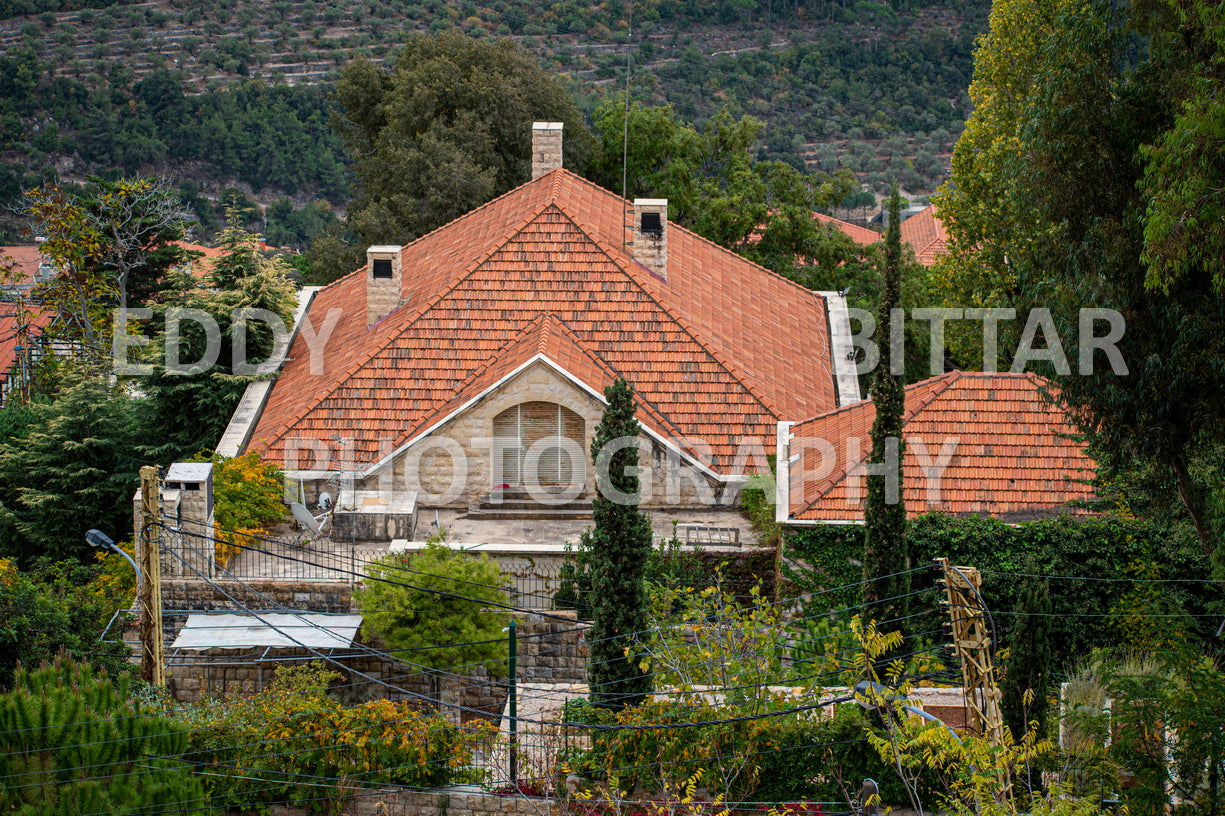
884	548
73	469
620	543
187	413
1029	661
71	741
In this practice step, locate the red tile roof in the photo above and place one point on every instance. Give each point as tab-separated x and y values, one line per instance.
1011	458
200	266
719	351
20	263
925	233
860	235
35	321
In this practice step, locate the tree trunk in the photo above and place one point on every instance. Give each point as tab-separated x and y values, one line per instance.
1192	501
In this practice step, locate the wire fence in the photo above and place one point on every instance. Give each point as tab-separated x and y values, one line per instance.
528	584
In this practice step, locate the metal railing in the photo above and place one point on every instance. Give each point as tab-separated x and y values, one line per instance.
289	560
527	584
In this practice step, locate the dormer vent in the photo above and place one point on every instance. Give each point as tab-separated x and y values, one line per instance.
651	234
546	147
651	224
382	282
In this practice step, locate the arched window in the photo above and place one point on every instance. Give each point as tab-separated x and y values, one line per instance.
538	443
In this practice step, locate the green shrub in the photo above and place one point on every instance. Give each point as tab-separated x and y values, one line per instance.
786	758
262	746
1100	547
72	741
446	603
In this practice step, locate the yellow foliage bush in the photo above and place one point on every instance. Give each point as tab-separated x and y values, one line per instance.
247	500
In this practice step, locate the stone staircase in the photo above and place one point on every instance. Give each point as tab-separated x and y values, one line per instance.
513	503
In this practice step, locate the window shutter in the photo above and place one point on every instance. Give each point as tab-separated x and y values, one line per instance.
544	424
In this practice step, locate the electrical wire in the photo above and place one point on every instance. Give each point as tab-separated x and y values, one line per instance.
1104	580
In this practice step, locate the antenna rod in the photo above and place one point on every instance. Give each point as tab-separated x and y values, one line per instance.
625	133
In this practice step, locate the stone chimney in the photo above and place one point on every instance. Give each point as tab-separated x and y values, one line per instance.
187	505
382	282
651	234
546	147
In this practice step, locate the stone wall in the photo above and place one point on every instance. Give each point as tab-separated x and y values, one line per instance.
430	467
442	802
223	595
550	649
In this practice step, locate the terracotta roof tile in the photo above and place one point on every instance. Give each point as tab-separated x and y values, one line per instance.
36	321
925	233
860	235
21	263
719	350
1012	457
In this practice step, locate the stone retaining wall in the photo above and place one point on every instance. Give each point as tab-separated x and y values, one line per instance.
550	650
443	802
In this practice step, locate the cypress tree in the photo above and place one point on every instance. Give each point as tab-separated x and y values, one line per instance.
619	543
884	547
1029	661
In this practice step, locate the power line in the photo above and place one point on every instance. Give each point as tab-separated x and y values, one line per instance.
1104	580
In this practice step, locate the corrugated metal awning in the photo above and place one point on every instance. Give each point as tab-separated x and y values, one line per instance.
278	629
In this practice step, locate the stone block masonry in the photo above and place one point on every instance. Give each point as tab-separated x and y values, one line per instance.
441	802
551	649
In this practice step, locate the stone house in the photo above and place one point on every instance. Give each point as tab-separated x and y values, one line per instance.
471	363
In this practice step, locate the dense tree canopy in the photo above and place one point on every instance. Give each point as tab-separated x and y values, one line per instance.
445	130
188	406
113	242
73	468
1083	180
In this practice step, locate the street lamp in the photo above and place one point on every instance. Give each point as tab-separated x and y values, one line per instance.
99	539
150	617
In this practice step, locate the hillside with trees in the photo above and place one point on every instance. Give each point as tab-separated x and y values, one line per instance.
1088	177
236	94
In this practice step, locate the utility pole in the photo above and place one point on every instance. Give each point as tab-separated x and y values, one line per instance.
972	645
152	667
512	702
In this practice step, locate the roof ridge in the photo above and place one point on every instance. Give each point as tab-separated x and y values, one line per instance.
660	417
487	205
411	317
535	324
457	219
544	324
946	380
835	477
734	372
625	202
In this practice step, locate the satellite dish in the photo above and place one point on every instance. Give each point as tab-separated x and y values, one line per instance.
304	517
325	500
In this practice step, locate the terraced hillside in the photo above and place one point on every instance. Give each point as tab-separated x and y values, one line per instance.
235	93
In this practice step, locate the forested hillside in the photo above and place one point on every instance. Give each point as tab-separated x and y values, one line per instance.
236	93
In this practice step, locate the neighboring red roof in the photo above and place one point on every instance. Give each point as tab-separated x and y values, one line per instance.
201	266
719	351
35	321
19	265
925	233
860	235
1011	459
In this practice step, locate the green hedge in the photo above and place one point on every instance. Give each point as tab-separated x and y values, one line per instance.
1106	548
